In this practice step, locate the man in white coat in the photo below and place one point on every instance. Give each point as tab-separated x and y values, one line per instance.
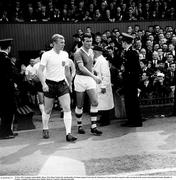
104	89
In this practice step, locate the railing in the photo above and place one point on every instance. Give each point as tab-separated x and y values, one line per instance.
157	106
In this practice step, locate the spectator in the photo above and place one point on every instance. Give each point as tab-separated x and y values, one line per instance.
4	17
145	86
97	15
104	89
118	16
108	16
30	15
160	89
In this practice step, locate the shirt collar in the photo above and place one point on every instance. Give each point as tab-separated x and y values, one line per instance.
4	51
88	53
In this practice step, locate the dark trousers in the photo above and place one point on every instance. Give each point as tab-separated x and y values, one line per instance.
174	106
104	117
6	123
132	106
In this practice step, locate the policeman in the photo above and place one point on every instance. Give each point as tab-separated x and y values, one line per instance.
131	78
7	95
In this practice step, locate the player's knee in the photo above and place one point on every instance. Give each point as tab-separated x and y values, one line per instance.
94	103
48	110
66	108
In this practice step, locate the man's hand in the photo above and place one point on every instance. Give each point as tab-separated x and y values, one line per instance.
103	90
97	79
45	88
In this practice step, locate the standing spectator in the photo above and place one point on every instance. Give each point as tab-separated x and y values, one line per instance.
79	14
30	15
7	95
104	89
140	14
131	78
108	16
89	31
98	39
55	84
91	10
30	76
97	15
118	16
146	11
85	81
87	17
56	17
145	86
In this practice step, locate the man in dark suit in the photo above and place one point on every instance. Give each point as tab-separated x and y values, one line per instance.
7	97
131	78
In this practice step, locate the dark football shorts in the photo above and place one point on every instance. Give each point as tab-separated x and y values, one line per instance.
38	86
56	89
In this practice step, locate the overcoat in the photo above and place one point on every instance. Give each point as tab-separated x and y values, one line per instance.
101	69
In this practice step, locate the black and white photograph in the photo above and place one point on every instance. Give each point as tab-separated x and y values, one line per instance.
87	89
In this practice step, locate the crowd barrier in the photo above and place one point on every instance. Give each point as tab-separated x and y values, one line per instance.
157	106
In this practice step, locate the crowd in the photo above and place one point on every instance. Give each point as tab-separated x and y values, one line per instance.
156	49
86	10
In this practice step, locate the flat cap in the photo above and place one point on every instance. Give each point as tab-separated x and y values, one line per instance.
98	48
127	37
6	42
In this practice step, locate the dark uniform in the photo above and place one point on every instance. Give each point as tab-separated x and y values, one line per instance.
7	97
131	79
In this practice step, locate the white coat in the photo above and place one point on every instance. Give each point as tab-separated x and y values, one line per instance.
101	68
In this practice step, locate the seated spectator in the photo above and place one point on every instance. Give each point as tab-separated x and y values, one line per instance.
169	60
156	47
145	87
143	52
160	88
155	59
173	40
145	68
165	49
160	54
171	49
170	75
